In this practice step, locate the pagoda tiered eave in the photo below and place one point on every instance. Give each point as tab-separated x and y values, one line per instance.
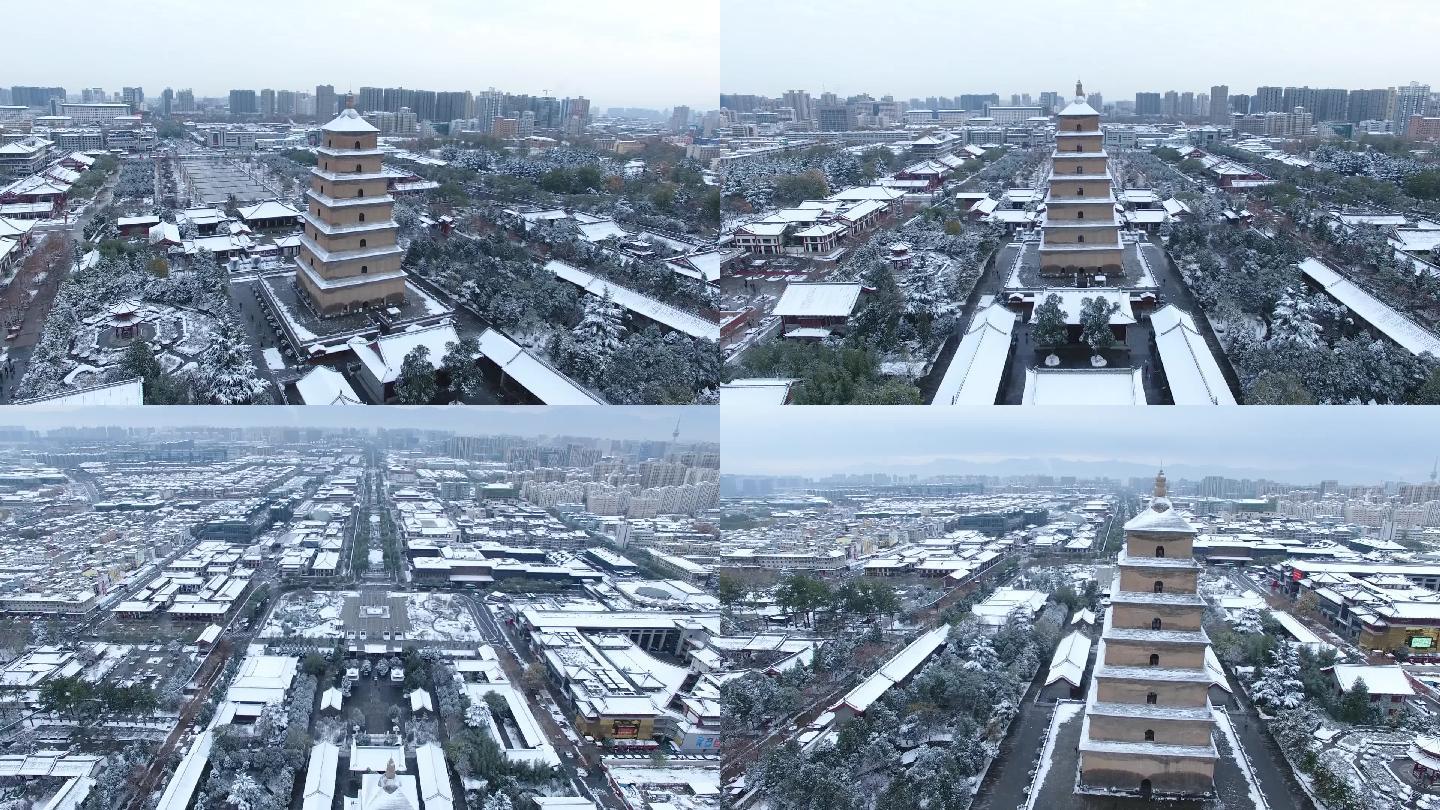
343	230
335	177
344	282
379	251
1077	248
1052	199
1170	563
345	202
337	152
1074	224
1085	177
1059	154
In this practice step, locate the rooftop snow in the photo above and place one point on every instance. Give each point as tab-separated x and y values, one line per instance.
1190	368
326	386
833	300
978	366
1122	386
677	319
543	382
1070	659
1380	680
756	392
1382	316
349	121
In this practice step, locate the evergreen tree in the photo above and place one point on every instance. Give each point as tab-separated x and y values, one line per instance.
600	330
460	368
1095	323
1047	324
416	385
227	374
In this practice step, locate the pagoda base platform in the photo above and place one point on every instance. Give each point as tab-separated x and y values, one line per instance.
1055	787
1027	276
306	328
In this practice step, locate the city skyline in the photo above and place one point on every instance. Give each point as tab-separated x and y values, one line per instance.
653	423
1360	447
652	59
1174	46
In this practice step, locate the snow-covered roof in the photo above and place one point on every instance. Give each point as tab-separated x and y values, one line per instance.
820	230
818	299
1070	659
543	382
1047	386
326	386
1191	369
320	776
1159	517
755	392
677	319
125	392
1380	680
434	779
1417	240
601	230
270	209
420	699
332	698
867	193
984	205
181	787
167	232
349	121
974	374
1175	207
15	228
1377	313
1078	107
897	669
383	356
703	265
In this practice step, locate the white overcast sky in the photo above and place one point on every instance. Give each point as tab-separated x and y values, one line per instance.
1293	444
643	53
921	48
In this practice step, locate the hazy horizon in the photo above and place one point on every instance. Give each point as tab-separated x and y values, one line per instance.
645	422
935	48
651	56
1356	444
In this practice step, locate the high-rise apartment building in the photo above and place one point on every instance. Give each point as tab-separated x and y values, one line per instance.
1268	99
1220	103
1147	104
1369	105
243	102
325	105
799	101
1409	100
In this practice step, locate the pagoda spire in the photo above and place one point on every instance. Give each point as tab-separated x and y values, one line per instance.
1160	484
1079	89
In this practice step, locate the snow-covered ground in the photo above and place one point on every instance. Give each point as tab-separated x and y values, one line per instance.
439	617
310	614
